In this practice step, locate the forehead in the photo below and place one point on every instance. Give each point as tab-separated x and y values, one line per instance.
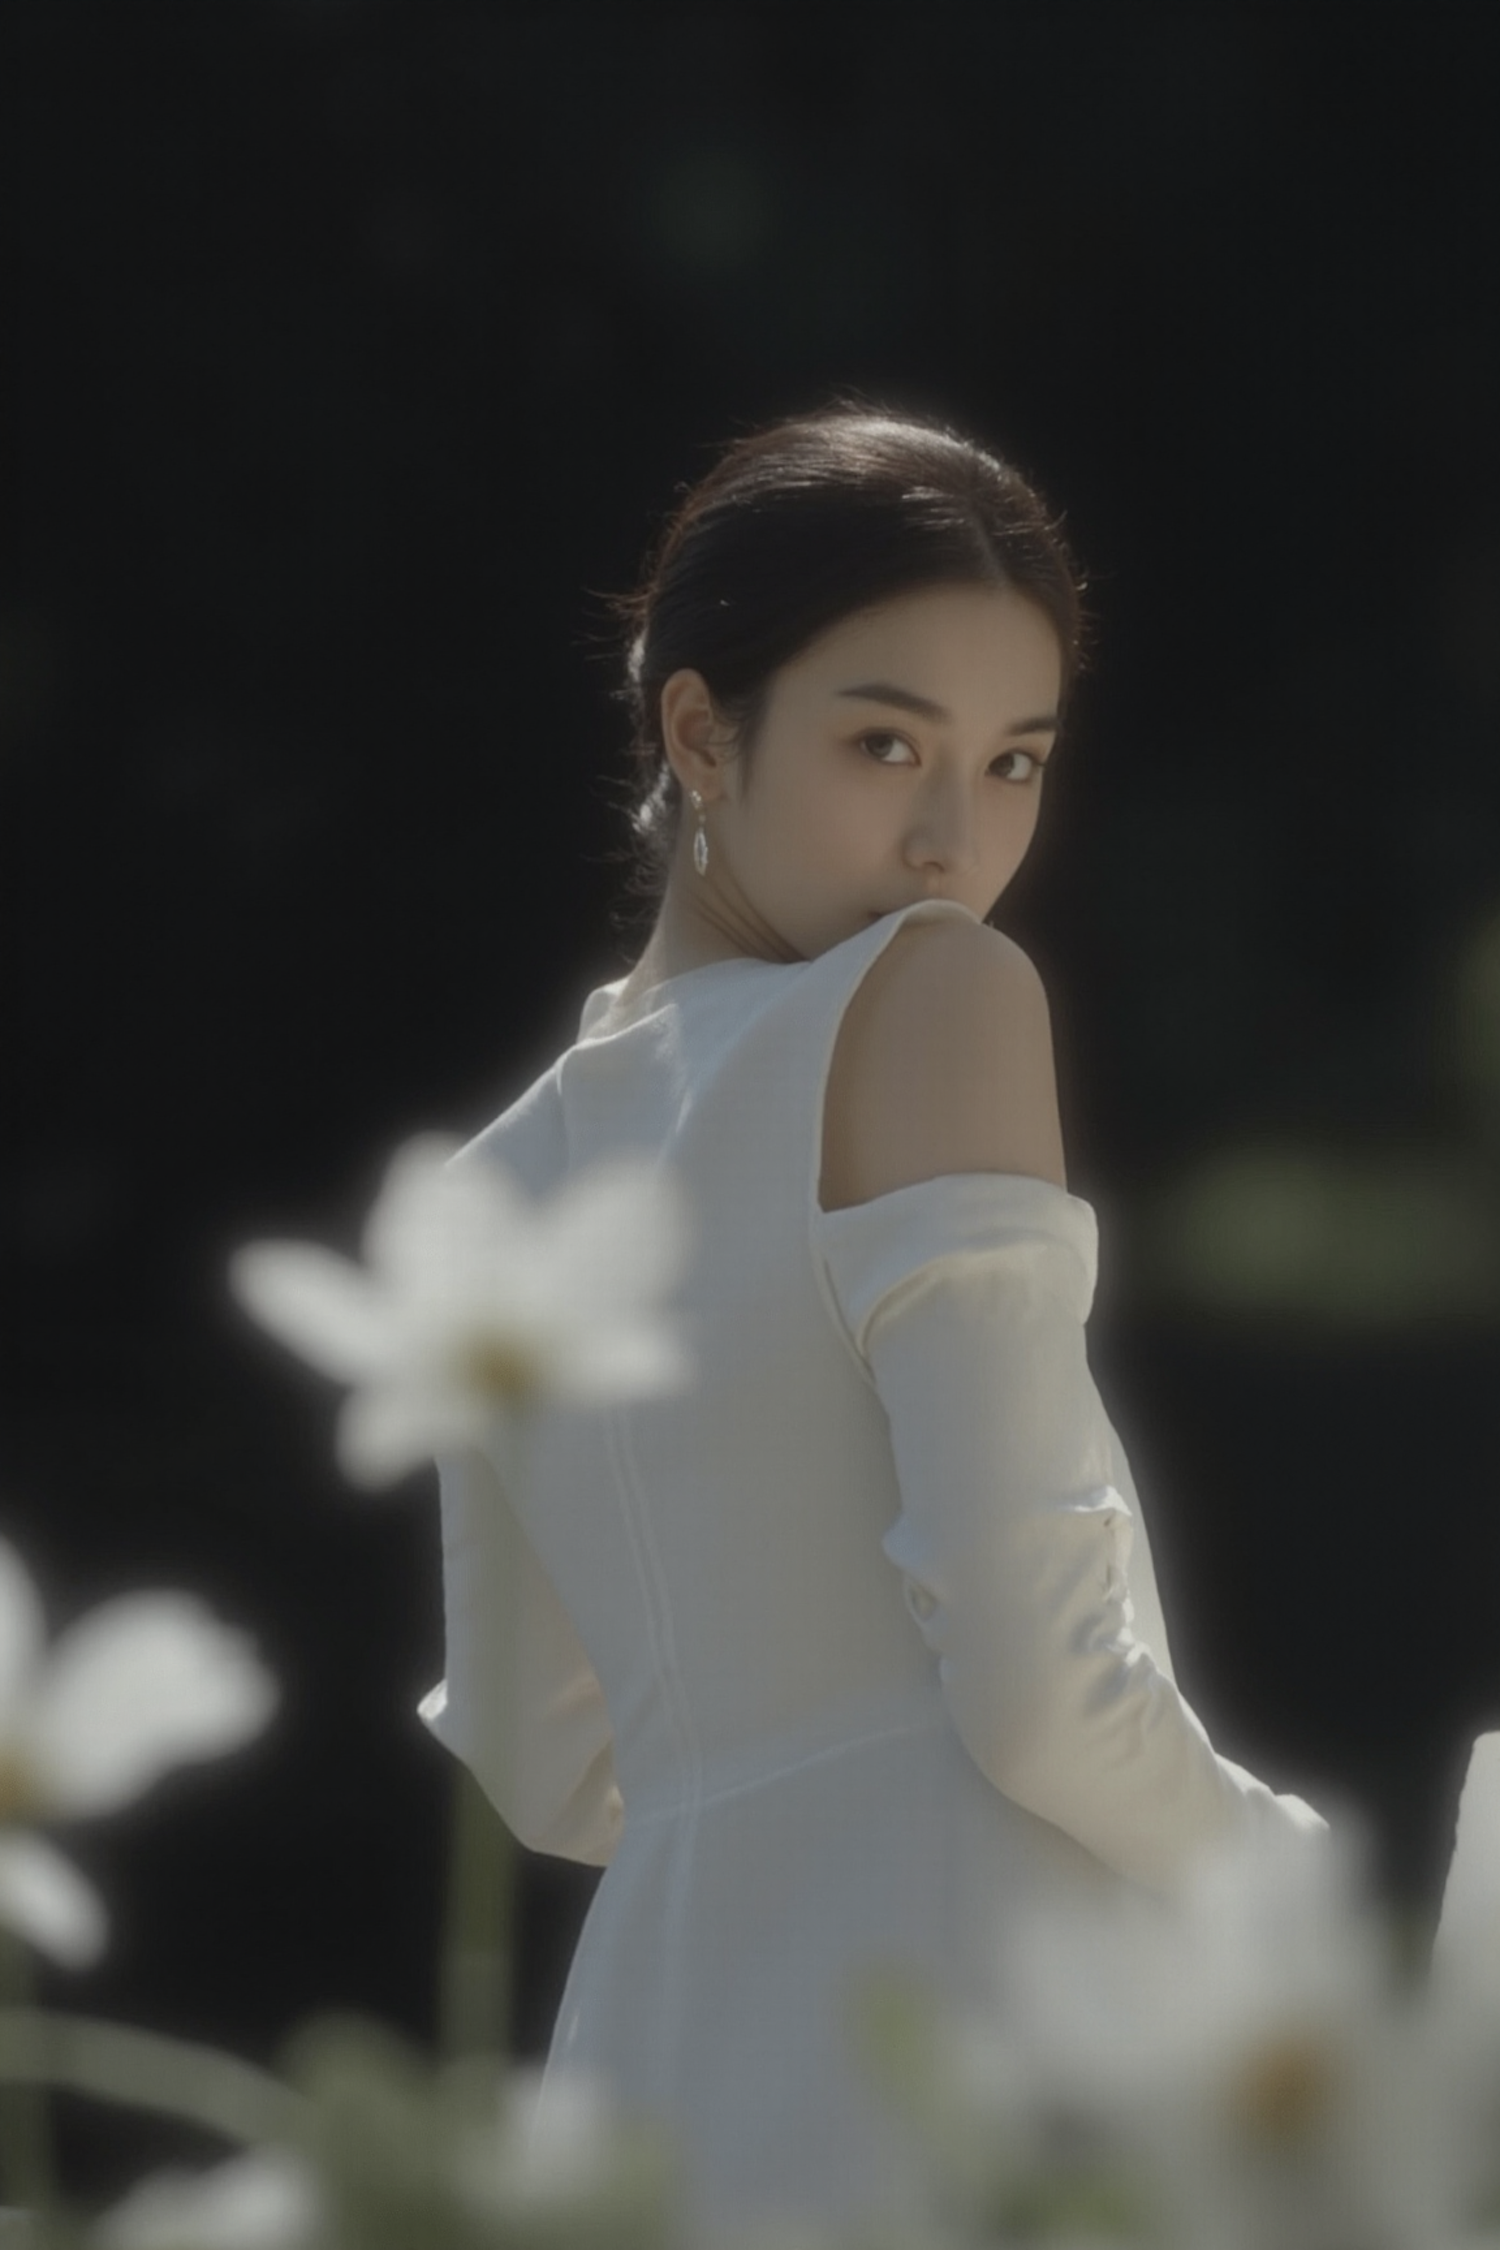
991	636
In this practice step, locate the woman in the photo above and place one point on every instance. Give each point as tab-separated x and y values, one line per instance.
832	1658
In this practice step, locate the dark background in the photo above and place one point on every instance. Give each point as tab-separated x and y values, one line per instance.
352	352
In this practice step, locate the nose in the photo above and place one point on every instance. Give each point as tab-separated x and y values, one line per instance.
944	834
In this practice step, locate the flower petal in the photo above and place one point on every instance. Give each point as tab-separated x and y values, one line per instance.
553	2147
425	1207
618	1236
321	1305
22	1630
626	1363
265	2199
141	1684
45	1900
384	1434
1470	1918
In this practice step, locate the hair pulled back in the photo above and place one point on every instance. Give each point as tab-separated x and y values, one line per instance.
797	526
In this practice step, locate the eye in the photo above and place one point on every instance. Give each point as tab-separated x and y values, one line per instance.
1034	766
882	737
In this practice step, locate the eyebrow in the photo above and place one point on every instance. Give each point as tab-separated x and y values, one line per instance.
922	706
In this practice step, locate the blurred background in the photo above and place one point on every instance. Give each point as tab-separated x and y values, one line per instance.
353	352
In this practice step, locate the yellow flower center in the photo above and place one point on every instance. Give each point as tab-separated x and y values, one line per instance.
503	1369
20	1798
1285	2090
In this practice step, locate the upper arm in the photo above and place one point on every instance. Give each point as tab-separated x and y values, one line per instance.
943	1063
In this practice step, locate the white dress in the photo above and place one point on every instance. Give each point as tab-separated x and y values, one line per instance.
831	1658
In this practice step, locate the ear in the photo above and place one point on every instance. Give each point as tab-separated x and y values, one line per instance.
692	734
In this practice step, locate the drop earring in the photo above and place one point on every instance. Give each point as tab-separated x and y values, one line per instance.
700	836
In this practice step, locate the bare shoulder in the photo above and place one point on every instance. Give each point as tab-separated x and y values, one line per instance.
943	1063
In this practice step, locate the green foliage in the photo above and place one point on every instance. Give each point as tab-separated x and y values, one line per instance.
1357	1240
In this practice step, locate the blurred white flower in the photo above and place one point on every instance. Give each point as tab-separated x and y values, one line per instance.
265	2199
476	1302
565	2163
1240	2069
1468	1932
545	2150
141	1684
405	2156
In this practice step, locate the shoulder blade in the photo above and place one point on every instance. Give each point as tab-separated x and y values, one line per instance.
943	1063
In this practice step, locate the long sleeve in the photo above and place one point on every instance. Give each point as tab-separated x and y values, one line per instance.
521	1704
965	1297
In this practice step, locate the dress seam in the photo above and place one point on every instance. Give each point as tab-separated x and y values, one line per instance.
933	1722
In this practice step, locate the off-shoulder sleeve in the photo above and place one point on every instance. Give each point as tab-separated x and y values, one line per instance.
521	1704
965	1297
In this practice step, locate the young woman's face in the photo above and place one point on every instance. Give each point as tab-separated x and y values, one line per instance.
900	757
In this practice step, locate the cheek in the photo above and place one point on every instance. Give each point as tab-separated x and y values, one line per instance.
819	814
1017	826
1026	828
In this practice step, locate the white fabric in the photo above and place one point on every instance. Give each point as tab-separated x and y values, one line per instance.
832	1659
1470	1918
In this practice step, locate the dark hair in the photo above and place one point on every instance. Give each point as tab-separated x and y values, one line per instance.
796	527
